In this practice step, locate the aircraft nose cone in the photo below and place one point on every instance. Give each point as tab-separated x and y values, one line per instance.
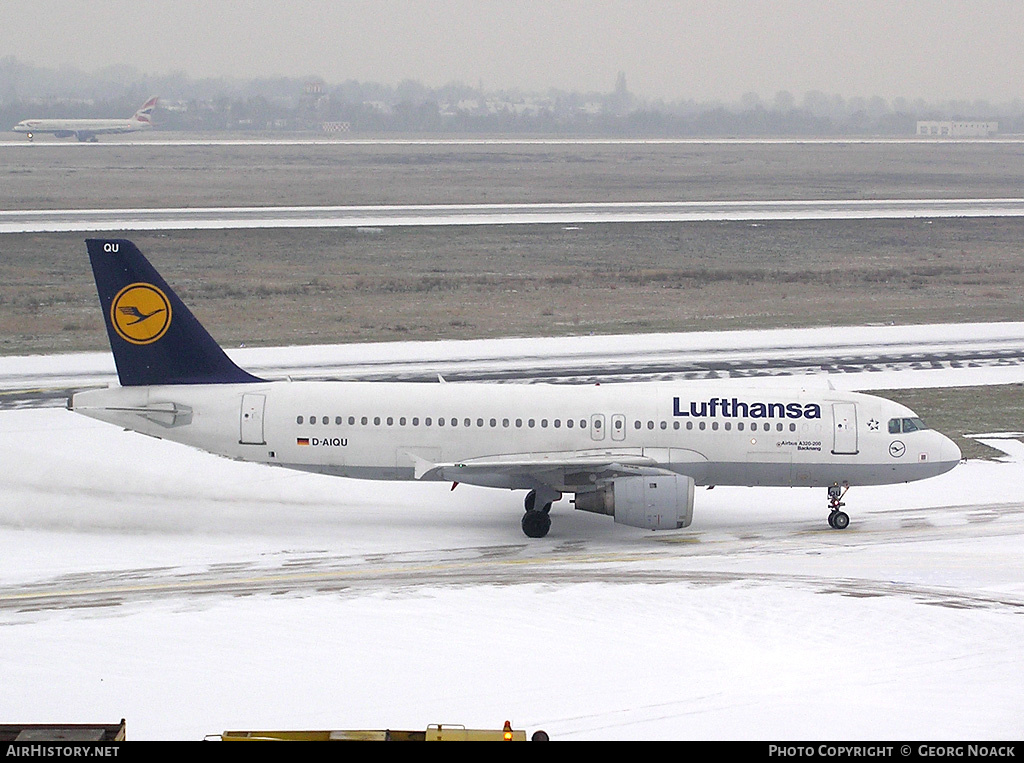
950	453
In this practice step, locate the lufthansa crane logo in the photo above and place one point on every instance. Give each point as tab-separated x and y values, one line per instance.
140	313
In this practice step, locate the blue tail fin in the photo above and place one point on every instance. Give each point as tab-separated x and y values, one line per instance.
154	337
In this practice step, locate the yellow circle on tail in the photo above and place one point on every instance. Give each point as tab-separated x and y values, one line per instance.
140	313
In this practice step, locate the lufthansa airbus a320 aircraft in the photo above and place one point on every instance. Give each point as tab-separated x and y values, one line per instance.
631	451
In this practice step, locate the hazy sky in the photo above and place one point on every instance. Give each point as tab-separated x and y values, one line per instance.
701	49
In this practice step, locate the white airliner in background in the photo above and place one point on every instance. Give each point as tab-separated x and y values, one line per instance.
88	129
631	451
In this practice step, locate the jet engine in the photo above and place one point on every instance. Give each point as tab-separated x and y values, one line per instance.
653	503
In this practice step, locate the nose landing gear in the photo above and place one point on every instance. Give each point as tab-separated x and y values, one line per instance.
837	519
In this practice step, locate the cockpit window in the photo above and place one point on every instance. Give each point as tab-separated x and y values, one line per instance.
896	426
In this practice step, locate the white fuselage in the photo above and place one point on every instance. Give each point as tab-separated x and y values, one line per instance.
502	435
80	127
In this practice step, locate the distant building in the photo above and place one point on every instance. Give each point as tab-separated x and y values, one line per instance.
955	129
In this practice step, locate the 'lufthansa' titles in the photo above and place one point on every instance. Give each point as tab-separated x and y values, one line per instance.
735	408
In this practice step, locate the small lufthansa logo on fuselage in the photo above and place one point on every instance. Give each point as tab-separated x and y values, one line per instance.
140	313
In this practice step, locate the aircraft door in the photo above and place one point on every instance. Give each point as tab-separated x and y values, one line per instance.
618	427
251	420
844	417
597	426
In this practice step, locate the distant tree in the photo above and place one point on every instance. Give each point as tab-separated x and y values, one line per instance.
621	101
784	101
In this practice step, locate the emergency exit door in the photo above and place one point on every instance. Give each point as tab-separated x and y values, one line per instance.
618	427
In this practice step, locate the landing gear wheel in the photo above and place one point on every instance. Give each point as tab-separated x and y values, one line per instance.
837	520
536	523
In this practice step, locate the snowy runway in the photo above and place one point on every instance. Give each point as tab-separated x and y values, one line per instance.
191	594
570	213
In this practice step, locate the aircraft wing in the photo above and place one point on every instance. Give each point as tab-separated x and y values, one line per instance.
550	468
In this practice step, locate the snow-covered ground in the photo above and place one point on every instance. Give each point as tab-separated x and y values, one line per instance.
571	213
798	351
191	594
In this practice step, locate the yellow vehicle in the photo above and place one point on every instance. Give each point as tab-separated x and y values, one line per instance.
435	732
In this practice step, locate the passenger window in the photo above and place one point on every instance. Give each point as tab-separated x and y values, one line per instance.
298	420
391	421
337	420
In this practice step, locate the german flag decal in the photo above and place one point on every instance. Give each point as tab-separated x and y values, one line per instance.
302	441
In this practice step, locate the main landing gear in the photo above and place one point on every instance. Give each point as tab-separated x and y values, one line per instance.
837	519
536	521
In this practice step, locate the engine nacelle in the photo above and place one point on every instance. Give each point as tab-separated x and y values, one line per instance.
653	503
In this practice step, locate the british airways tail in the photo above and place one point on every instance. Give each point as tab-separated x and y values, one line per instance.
154	337
145	112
